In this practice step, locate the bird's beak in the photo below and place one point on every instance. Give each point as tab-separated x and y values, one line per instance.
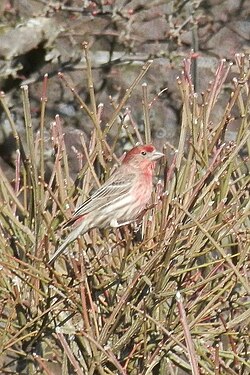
156	155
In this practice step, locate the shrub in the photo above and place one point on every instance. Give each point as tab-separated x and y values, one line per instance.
171	302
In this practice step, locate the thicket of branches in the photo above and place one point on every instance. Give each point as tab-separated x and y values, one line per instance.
169	299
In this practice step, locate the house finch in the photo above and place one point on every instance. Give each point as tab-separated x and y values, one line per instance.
120	199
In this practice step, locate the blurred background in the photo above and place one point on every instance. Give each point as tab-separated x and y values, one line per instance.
41	36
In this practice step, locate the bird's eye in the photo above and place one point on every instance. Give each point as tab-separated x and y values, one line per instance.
143	153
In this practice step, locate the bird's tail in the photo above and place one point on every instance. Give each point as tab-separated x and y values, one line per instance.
81	229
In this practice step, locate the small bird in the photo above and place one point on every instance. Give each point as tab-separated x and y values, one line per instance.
120	199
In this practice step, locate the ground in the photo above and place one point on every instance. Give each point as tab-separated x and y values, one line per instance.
39	37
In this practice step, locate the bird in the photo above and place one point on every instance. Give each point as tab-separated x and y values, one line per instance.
120	200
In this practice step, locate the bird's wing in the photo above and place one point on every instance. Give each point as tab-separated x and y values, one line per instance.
115	187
